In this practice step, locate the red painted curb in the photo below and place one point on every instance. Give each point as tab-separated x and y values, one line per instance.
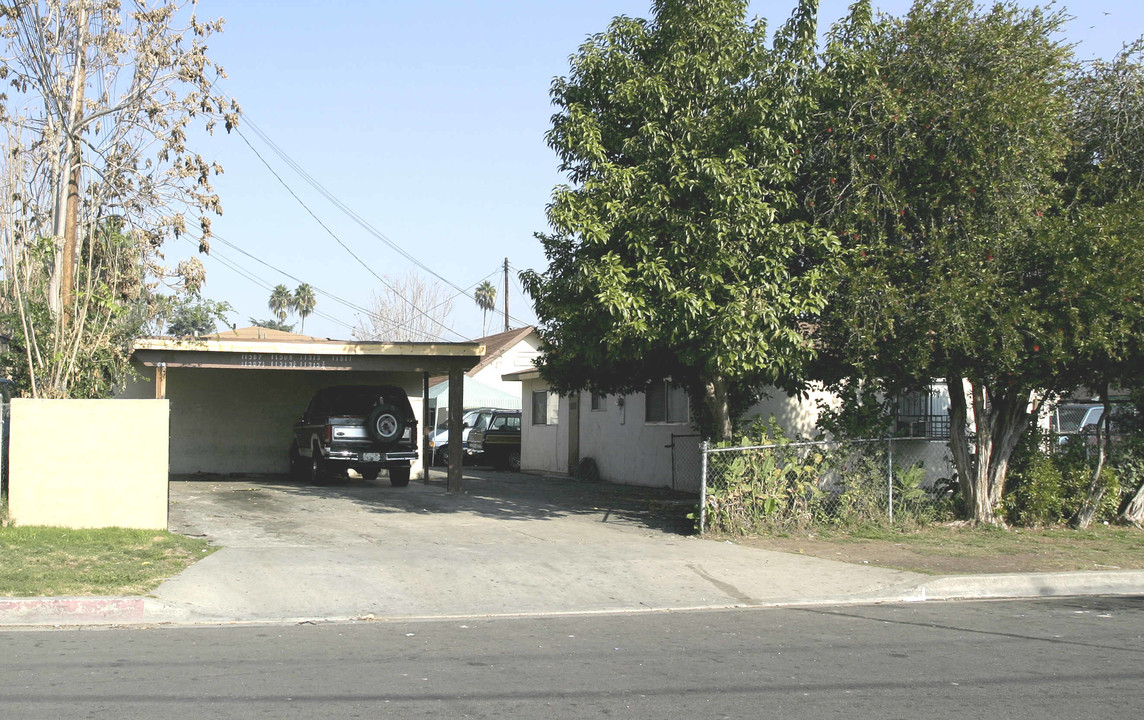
70	609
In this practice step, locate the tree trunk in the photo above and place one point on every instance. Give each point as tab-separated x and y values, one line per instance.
963	460
718	404
71	244
64	290
1088	509
1133	511
1000	418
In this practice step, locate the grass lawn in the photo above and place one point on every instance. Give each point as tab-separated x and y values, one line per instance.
43	561
956	549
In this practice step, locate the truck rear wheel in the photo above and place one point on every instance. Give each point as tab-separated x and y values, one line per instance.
316	471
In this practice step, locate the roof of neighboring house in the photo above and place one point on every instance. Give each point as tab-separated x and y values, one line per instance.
529	374
499	344
255	332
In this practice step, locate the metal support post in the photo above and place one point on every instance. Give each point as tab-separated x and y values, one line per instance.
703	448
890	477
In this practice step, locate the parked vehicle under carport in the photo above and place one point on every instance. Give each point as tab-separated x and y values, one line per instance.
361	427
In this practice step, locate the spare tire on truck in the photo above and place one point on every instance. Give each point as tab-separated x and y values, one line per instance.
384	424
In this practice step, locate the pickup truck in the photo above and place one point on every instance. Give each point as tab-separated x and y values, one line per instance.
363	427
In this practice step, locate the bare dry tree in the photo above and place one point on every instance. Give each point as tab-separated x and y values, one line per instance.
97	174
409	308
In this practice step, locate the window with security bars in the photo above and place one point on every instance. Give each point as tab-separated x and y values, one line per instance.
924	413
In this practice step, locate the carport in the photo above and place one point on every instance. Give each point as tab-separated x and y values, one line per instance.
235	396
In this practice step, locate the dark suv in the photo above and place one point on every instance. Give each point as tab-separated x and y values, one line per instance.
496	440
364	427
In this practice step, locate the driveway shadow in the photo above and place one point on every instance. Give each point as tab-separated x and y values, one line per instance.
493	494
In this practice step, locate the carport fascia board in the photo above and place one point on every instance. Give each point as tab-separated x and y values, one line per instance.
434	358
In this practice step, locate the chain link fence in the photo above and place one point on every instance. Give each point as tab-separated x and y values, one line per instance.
794	486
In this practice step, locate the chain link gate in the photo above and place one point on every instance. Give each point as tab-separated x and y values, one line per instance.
686	462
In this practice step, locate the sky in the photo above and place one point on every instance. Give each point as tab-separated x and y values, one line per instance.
426	120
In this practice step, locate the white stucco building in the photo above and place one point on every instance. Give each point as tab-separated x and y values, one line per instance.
505	353
637	439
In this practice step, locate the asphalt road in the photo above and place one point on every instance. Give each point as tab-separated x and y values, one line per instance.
1025	659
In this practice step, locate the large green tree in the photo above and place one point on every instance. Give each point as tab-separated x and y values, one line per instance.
677	250
1102	279
936	157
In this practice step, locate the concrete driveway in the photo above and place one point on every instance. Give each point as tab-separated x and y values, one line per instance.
510	544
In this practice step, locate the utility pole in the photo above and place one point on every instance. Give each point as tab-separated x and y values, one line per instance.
71	204
506	294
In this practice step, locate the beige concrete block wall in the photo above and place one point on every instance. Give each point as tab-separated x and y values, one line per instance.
89	463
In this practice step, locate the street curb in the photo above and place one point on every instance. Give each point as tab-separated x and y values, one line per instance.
81	611
1031	585
71	610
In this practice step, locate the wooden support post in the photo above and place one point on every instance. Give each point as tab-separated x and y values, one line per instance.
456	413
426	430
160	381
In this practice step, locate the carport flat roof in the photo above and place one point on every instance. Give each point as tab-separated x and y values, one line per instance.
263	349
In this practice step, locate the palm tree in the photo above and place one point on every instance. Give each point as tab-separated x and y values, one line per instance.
486	297
303	302
280	302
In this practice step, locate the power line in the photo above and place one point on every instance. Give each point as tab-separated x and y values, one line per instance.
362	222
339	240
358	219
235	267
268	286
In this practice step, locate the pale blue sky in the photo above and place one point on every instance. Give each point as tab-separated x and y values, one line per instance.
427	119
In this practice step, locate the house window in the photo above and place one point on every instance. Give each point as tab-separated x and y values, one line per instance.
545	407
924	413
666	403
599	402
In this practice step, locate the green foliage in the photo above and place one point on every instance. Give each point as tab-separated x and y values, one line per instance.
303	302
1106	159
678	249
1048	484
772	484
280	302
771	487
191	315
938	159
273	325
858	410
486	297
1100	279
87	359
935	160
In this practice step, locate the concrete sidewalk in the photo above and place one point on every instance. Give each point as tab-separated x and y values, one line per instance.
510	545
